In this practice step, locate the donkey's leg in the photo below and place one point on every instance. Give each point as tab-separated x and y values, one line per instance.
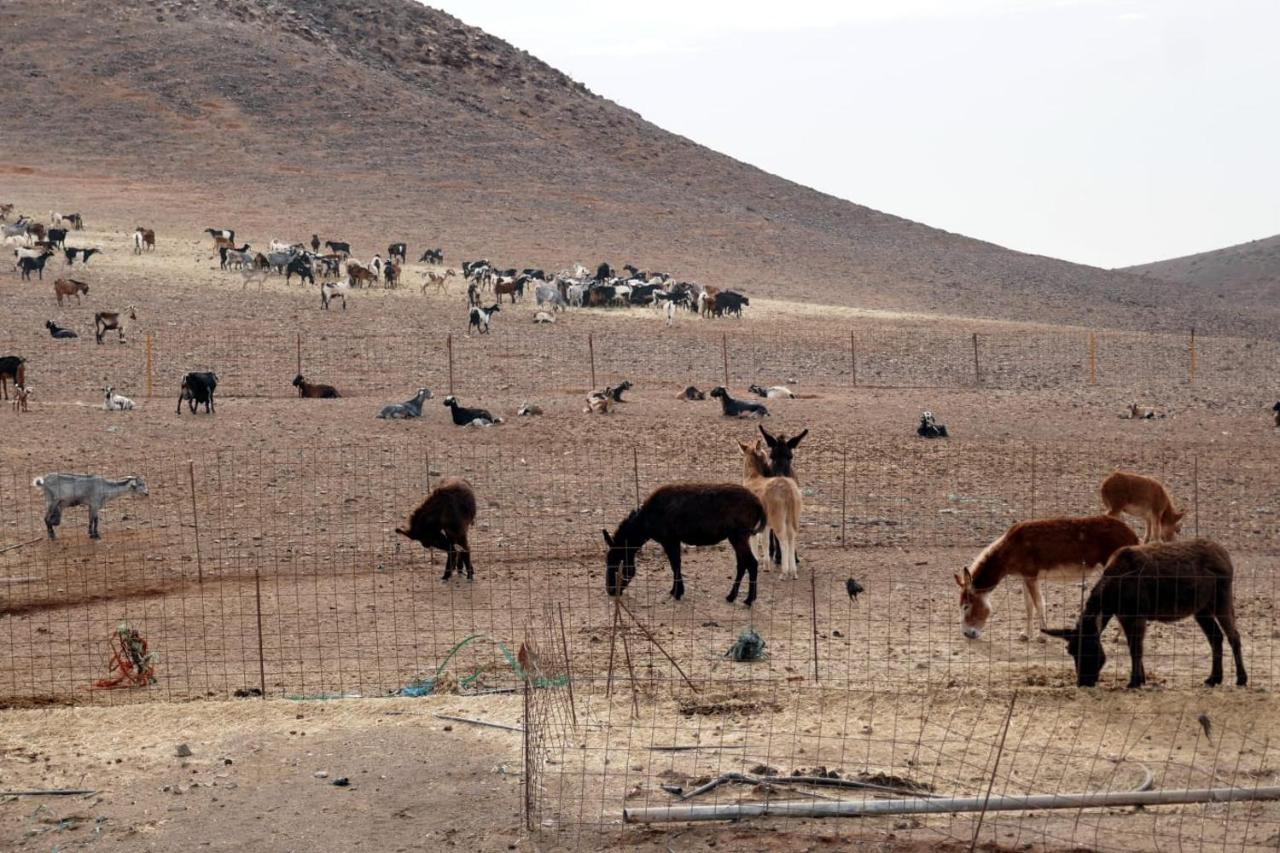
1227	619
464	556
1135	631
1214	634
449	561
1029	598
672	550
746	565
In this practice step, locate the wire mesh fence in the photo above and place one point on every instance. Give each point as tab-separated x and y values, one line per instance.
526	359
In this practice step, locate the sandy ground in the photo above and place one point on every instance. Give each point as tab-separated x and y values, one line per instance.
306	493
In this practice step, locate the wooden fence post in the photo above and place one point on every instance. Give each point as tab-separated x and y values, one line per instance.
262	661
853	358
299	336
1093	359
591	356
635	470
813	610
724	354
1193	355
844	492
1195	490
1033	482
150	364
195	520
448	342
977	372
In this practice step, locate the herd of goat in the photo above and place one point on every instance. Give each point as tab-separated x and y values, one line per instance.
1159	579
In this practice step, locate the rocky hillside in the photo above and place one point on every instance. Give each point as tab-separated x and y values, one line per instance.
389	120
1248	275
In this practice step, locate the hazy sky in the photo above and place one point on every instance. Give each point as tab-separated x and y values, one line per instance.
1108	133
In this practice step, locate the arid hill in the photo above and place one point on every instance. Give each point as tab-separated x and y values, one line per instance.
1248	274
387	120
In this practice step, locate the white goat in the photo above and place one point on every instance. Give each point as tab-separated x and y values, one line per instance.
117	402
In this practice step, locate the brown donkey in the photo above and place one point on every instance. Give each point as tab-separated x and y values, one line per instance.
780	497
1146	498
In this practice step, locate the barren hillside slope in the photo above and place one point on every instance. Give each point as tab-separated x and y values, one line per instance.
388	120
1247	273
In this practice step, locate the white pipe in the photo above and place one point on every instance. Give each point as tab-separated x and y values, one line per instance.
932	805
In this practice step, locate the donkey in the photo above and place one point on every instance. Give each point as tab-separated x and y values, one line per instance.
690	514
1146	498
780	497
781	454
1164	581
442	520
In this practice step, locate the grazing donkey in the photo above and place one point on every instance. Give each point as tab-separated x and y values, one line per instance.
1146	498
442	520
1165	581
692	514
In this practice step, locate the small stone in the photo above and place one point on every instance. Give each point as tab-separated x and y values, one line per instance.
183	751
321	774
341	782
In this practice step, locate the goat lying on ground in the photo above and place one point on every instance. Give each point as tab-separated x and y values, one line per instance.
68	287
57	332
442	520
691	393
737	408
528	409
198	388
307	389
773	392
463	416
615	392
543	317
1166	581
67	490
408	409
1141	413
929	427
1146	498
598	403
105	321
117	402
21	393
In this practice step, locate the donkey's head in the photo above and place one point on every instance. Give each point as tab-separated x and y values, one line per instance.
975	606
621	557
1084	644
781	451
1170	524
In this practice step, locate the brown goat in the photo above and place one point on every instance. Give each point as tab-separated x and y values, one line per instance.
1165	581
69	287
105	321
441	521
314	389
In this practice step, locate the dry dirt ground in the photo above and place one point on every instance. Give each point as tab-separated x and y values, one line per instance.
306	493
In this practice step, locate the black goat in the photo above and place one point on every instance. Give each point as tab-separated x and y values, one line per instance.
442	520
338	248
85	254
463	416
57	332
301	267
30	265
57	237
615	392
198	388
692	514
398	250
1164	581
737	408
691	393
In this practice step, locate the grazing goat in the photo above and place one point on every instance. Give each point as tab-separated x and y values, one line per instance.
58	333
442	520
68	287
481	317
1164	581
198	388
773	392
105	321
338	248
690	514
780	497
143	239
331	290
116	402
1054	549
13	368
227	234
21	393
547	293
36	265
307	389
1146	498
691	393
432	256
358	276
737	408
67	490
462	416
70	253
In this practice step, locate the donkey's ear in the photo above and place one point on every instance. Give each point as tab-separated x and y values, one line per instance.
770	439
968	577
1178	516
744	447
608	540
1064	633
959	580
795	441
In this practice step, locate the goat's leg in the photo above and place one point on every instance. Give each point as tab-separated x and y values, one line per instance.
93	522
52	518
1227	619
672	550
1135	631
1214	634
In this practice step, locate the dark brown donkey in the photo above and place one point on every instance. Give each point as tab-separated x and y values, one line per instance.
1164	581
441	521
692	514
781	454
